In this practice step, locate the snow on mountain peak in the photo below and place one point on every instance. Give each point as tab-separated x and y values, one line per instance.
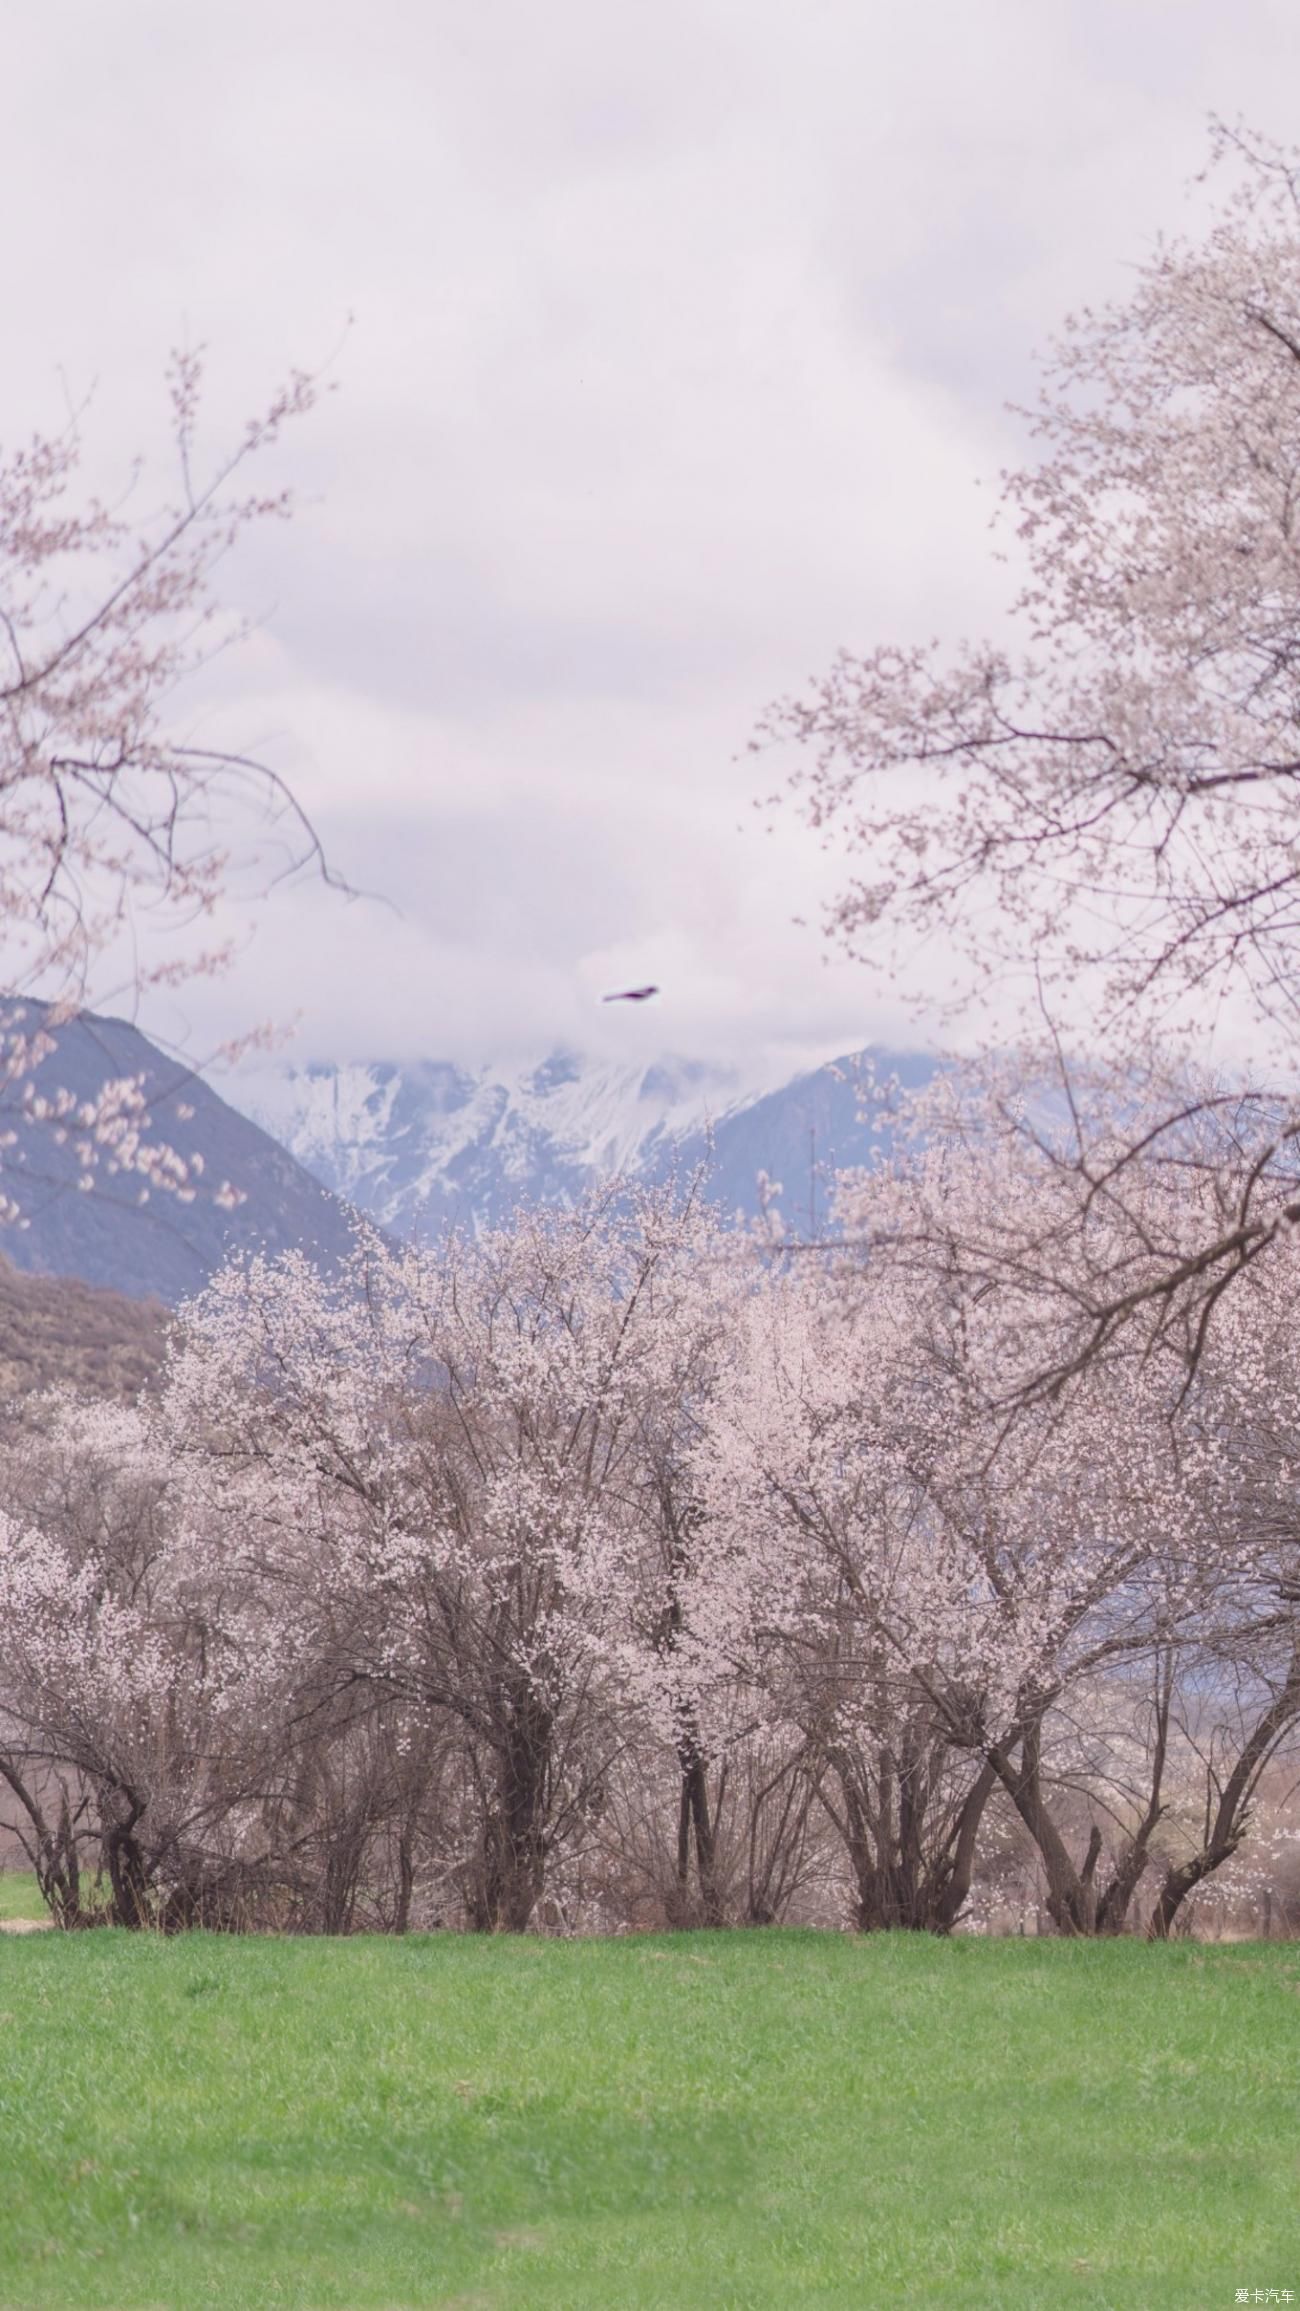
417	1143
422	1144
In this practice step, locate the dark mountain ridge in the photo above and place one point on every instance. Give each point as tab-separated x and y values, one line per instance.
84	1205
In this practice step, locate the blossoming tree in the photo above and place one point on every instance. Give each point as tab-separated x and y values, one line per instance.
1106	820
111	810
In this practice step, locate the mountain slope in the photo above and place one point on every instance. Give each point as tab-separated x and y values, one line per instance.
96	1211
786	1145
59	1333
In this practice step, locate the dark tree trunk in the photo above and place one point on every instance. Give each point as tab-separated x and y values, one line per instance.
1076	1904
1230	1819
1071	1892
51	1847
696	1828
511	1871
405	1882
952	1893
127	1872
60	1883
343	1857
906	1880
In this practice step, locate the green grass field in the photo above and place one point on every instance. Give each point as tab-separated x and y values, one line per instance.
726	2120
18	1895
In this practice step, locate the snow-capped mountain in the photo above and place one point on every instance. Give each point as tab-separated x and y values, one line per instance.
416	1146
422	1144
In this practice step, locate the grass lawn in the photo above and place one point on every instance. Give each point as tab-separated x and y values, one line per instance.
724	2121
19	1897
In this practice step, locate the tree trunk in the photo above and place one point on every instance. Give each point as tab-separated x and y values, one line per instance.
1071	1894
952	1895
343	1857
52	1849
1231	1817
899	1884
1075	1902
695	1825
405	1882
511	1868
127	1873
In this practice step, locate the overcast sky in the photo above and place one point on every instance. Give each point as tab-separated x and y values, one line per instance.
681	338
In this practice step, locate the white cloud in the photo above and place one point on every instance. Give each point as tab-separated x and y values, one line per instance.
682	334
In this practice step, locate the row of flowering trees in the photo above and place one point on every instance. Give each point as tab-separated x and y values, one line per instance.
613	1569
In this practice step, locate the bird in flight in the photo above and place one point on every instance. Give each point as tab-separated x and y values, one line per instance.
631	995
